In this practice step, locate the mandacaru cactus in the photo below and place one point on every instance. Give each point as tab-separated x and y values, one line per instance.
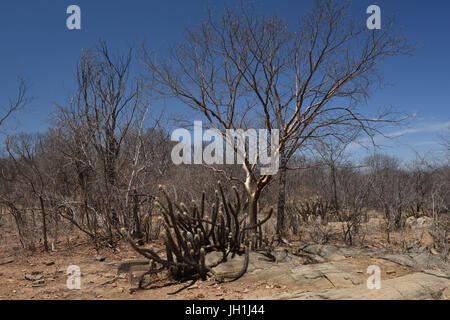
190	233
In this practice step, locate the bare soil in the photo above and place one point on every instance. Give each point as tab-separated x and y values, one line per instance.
99	279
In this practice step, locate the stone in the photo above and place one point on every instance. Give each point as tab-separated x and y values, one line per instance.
100	258
401	259
416	286
424	222
419	223
31	277
38	283
418	260
446	294
410	222
437	273
213	258
328	252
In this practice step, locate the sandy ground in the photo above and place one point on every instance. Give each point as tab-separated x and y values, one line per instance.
99	279
97	275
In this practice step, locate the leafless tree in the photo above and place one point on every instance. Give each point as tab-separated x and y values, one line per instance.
107	112
25	150
243	67
331	153
390	185
16	103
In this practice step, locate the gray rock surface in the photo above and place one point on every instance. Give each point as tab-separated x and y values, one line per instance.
419	260
416	286
328	252
288	270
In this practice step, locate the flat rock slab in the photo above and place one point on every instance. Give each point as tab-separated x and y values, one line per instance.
257	261
328	252
416	286
421	260
290	270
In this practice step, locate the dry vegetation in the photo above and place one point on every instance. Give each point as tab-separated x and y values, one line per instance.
88	185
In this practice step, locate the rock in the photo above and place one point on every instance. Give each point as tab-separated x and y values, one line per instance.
437	273
401	259
308	257
416	286
257	262
213	258
31	277
424	222
49	263
100	258
418	260
410	222
281	255
419	223
425	260
446	294
38	283
328	252
344	279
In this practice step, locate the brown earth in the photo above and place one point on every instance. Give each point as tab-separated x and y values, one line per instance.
327	269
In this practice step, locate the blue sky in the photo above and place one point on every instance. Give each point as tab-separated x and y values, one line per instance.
36	44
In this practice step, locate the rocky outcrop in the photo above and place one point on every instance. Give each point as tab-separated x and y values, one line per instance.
416	286
418	260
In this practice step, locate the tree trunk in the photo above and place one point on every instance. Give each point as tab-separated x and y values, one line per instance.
253	209
334	183
281	201
137	223
44	223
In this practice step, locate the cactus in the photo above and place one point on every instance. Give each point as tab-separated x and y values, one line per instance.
190	233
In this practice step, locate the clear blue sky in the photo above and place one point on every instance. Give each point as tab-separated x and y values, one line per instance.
36	44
